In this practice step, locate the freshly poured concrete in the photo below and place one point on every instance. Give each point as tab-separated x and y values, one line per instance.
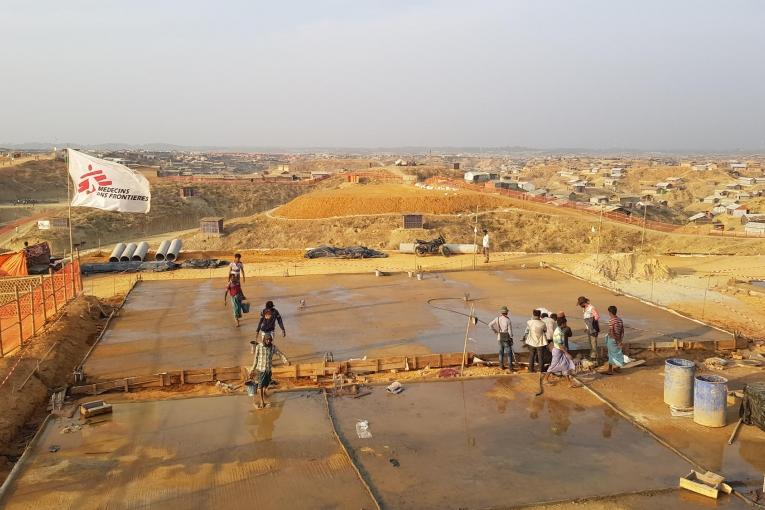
491	443
215	452
169	325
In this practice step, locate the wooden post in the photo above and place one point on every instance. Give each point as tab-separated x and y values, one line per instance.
2	352
464	349
18	316
71	279
66	297
44	301
53	288
32	309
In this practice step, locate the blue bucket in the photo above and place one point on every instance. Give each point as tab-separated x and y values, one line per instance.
711	400
250	387
678	382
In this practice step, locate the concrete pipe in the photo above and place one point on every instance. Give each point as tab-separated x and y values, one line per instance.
174	250
128	253
140	251
116	252
162	250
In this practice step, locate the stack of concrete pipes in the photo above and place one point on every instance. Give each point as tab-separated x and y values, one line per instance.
129	252
169	250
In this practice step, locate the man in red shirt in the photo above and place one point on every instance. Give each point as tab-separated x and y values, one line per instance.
234	293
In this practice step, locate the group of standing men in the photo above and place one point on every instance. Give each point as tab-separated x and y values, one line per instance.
547	337
262	348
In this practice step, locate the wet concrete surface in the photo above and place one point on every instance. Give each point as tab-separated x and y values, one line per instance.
491	443
639	392
677	499
169	325
214	452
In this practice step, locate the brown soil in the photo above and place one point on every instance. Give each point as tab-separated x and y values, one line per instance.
73	332
358	199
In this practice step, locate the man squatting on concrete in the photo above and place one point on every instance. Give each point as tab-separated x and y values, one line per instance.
503	328
260	372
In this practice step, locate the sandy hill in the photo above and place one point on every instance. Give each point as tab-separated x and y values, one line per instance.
169	212
368	199
42	180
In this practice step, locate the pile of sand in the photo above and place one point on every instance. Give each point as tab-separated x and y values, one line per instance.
371	199
629	266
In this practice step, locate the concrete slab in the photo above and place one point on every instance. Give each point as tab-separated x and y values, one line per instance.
491	444
214	452
640	393
169	325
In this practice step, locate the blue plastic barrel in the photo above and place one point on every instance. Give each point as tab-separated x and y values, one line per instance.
678	382
711	400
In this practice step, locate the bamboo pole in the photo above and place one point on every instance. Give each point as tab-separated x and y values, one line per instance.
53	288
44	301
18	316
467	331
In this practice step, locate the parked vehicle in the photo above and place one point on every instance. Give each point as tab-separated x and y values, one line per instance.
434	246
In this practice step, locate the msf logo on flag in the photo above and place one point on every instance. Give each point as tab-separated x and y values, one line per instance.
91	180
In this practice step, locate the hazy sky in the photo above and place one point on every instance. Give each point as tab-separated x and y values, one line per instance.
568	73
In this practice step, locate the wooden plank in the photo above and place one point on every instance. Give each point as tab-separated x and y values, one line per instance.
689	482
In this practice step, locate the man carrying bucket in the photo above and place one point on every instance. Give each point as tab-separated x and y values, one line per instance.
260	372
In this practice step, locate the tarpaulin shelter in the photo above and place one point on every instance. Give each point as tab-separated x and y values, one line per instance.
13	264
38	258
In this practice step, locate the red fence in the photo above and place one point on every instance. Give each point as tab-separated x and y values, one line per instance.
27	303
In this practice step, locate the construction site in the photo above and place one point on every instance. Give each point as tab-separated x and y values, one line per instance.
133	393
382	255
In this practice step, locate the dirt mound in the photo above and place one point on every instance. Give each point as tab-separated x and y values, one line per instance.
371	199
629	266
72	334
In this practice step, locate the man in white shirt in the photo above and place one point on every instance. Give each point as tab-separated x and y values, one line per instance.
485	246
503	328
550	324
236	268
535	337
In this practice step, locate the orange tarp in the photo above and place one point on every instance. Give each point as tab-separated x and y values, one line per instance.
13	264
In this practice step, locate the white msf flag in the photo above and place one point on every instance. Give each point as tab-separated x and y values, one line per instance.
107	185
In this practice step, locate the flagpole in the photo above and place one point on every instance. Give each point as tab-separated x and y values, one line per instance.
69	204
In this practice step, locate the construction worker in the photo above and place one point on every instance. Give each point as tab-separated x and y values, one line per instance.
234	293
260	372
591	322
236	268
485	244
614	341
269	317
536	339
562	363
503	328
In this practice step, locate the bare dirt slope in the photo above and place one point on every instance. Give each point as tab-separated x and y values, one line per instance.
169	212
359	199
22	410
511	230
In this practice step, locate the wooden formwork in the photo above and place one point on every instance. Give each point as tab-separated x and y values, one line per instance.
314	370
